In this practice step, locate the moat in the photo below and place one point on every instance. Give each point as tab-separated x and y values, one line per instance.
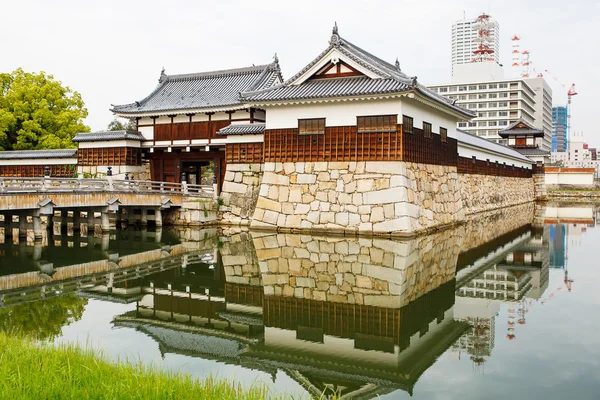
502	304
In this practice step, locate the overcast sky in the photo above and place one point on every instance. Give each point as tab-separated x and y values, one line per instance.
112	51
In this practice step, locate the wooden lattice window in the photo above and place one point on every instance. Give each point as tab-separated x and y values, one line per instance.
377	123
314	126
427	130
407	124
444	134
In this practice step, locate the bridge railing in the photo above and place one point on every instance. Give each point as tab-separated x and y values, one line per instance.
76	185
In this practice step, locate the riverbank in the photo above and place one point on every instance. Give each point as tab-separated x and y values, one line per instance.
32	371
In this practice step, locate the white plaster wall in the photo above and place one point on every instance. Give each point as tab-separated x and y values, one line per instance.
181	118
569	212
571	178
246	138
145	121
480	154
421	112
337	114
220	116
147	132
163	120
41	161
199	117
109	144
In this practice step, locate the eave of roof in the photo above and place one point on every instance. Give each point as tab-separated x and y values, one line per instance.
103	136
37	154
243	129
468	139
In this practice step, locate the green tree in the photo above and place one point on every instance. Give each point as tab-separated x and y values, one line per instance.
117	125
42	319
37	112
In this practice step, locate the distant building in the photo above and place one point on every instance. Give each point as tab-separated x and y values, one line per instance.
500	102
464	35
522	136
559	128
579	155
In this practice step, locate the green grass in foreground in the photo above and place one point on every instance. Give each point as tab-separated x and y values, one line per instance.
32	371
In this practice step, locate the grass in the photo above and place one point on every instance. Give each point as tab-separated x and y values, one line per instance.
29	370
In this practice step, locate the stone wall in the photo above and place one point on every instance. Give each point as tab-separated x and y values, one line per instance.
196	212
381	198
240	193
367	271
486	192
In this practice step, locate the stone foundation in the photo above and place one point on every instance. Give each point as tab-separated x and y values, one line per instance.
368	271
139	172
240	193
487	192
380	198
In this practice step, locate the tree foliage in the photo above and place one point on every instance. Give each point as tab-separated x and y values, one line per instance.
37	112
118	125
42	319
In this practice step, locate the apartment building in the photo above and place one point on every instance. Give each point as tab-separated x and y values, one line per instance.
464	35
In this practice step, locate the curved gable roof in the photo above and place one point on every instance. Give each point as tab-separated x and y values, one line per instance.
388	79
205	90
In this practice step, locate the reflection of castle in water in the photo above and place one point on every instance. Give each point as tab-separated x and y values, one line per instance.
356	317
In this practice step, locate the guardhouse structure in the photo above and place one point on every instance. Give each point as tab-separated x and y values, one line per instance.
521	136
180	118
119	150
60	163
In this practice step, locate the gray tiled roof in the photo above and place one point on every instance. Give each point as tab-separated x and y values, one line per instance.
530	130
206	90
108	136
391	80
243	129
533	152
476	141
37	154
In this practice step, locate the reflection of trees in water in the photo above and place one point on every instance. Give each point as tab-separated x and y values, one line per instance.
42	319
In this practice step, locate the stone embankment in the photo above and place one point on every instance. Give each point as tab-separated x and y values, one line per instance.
353	197
486	192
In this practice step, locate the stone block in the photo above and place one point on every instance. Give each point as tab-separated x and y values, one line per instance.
323	177
287	208
269	167
327	217
364	282
284	193
353	219
267	204
385	167
324	206
342	218
377	215
314	217
302	209
306	179
391	195
364	185
320	166
233	187
289	168
272	178
383	273
273	193
271	217
305	282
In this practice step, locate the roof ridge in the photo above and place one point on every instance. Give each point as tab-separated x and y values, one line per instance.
219	73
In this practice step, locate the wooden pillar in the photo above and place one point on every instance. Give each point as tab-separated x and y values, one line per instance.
104	221
64	215
90	221
7	226
76	221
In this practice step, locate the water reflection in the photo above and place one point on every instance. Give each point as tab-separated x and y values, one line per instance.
346	316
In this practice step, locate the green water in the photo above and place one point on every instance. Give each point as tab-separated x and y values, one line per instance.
504	306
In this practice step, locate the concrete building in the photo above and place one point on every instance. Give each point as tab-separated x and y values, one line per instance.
579	155
501	102
464	34
559	128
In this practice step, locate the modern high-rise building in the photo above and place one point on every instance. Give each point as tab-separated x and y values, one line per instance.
559	128
501	102
464	41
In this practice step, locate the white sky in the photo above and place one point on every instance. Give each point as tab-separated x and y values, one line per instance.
113	51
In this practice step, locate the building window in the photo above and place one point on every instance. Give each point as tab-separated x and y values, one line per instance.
462	124
407	124
482	96
427	130
444	134
482	87
503	104
472	87
377	123
472	124
493	86
493	95
443	89
503	85
314	126
462	88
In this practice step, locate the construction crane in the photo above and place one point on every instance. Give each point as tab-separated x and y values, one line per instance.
570	93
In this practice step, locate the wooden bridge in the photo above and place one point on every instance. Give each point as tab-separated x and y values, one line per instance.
67	200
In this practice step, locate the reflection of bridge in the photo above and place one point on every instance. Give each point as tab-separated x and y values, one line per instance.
37	197
105	274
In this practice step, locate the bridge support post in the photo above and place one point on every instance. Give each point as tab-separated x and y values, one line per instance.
105	241
76	220
22	226
37	227
7	226
90	221
104	220
144	217
64	214
158	218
